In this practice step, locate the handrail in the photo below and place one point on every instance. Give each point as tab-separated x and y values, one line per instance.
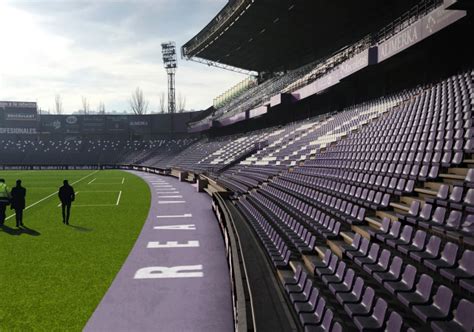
244	317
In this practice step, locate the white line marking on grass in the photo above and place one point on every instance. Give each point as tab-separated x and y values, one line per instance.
171	202
123	181
171	196
100	191
118	198
92	180
51	195
186	215
93	205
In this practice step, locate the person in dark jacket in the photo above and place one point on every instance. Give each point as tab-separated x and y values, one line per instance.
18	202
66	196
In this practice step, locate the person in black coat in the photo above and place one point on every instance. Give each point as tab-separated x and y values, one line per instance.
66	196
18	202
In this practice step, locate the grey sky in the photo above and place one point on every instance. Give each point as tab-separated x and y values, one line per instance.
103	50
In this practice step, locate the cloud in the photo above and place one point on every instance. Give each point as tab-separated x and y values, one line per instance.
102	50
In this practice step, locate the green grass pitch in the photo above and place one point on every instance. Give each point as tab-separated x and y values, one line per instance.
53	276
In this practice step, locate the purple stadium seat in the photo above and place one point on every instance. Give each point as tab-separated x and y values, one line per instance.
305	293
463	319
404	239
362	252
310	305
393	272
354	295
372	256
315	317
440	307
464	270
418	243
381	265
394	322
364	306
431	252
376	320
421	293
337	277
447	259
405	284
345	285
384	228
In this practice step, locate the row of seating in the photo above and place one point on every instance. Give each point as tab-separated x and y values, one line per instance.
452	262
310	305
414	290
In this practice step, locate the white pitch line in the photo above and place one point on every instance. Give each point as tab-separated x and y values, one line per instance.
171	196
118	198
93	205
51	195
186	215
171	202
99	191
92	180
123	180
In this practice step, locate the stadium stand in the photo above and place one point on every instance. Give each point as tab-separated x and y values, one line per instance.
87	151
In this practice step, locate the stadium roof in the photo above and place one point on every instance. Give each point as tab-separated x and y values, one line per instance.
269	35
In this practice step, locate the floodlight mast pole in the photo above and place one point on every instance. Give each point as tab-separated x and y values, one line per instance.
170	63
171	91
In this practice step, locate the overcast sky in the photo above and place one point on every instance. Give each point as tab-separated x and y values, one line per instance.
103	50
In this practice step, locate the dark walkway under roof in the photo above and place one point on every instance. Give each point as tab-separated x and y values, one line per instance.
176	277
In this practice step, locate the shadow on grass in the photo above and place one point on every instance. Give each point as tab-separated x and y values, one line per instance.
18	231
81	229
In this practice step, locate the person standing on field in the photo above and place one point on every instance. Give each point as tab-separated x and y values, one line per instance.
18	202
4	200
66	196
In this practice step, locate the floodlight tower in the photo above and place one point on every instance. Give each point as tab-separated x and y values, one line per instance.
171	63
